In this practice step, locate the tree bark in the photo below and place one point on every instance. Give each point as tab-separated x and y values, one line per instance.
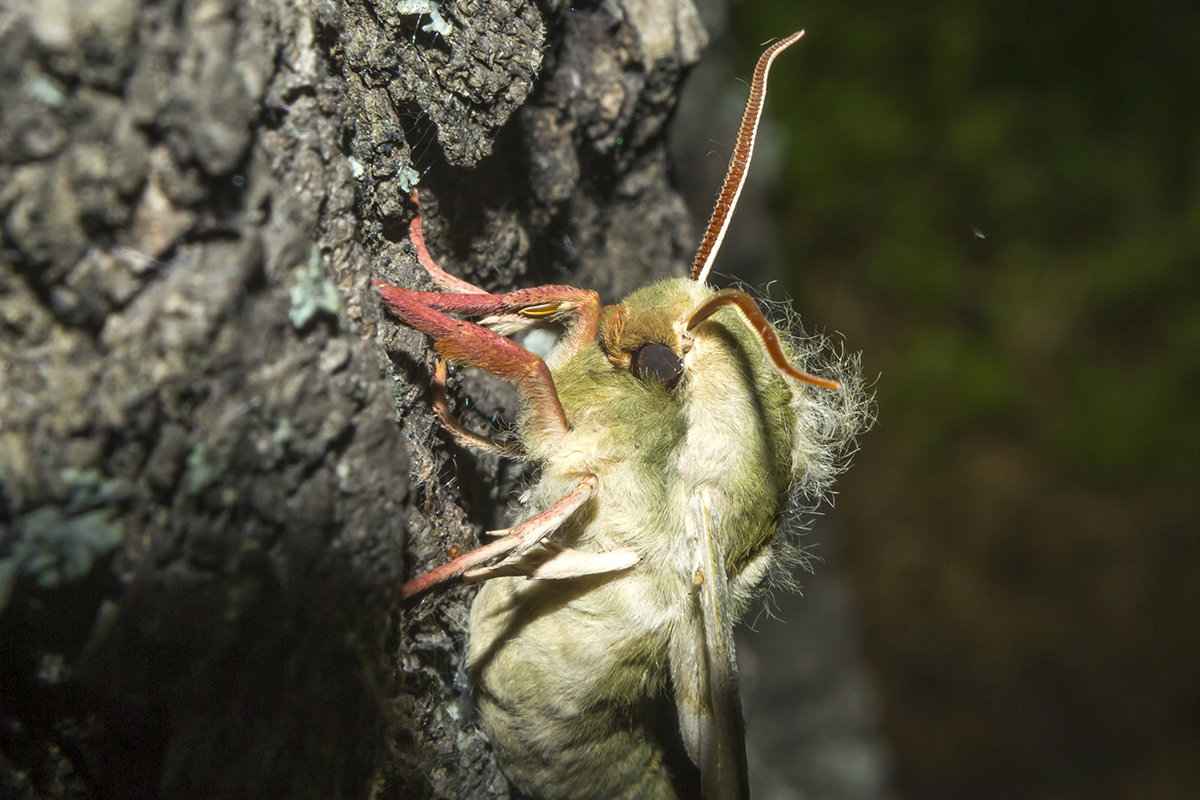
217	461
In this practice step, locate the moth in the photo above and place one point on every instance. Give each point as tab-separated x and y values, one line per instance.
671	433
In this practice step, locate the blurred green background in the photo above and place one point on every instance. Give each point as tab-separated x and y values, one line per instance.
998	203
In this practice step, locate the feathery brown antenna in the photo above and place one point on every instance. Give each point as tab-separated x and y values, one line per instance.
745	304
735	178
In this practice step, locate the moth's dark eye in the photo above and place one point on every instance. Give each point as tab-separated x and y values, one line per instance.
657	362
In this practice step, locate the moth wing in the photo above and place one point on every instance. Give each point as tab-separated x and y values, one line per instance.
704	664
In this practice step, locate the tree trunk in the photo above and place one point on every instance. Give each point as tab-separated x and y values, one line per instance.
208	428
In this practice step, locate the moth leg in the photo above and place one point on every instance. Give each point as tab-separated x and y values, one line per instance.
551	563
519	539
460	432
578	310
436	274
476	346
576	563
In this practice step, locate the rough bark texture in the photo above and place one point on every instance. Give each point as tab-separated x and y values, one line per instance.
203	487
205	495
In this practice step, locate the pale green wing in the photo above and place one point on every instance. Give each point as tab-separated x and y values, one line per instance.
704	665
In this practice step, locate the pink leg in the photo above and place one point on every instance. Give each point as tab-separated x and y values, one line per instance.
467	343
478	346
577	309
460	432
520	538
436	273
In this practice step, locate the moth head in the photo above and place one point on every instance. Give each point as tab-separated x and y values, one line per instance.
652	330
734	389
